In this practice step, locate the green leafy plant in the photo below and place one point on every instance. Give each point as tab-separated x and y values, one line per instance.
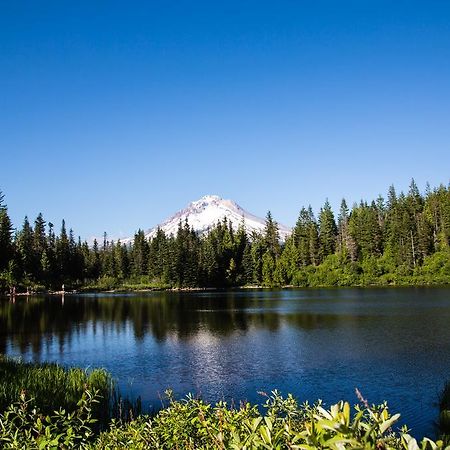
22	426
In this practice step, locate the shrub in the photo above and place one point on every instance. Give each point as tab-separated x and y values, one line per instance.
194	424
24	427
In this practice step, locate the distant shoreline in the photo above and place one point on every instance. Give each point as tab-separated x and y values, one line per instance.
212	289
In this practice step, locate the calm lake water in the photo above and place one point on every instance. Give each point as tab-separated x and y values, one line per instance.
391	344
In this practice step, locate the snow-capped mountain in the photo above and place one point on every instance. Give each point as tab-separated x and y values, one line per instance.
204	214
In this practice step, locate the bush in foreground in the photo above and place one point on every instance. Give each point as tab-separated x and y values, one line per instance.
194	424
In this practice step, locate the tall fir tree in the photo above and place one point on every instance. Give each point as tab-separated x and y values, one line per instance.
25	253
63	255
272	237
40	248
327	230
6	232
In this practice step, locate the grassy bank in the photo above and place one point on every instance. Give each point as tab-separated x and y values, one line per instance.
51	386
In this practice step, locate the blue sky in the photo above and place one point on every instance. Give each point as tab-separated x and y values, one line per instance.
114	115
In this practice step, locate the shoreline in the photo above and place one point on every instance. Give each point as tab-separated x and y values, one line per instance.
120	290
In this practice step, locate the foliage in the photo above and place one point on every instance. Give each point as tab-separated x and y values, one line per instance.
444	416
23	426
404	240
195	424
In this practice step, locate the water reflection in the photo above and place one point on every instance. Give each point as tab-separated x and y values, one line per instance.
27	322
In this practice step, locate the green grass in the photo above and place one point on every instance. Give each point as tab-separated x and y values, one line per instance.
51	386
125	285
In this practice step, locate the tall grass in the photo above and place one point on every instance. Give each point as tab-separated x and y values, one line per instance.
52	386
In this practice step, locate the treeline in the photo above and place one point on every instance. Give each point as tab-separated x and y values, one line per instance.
401	240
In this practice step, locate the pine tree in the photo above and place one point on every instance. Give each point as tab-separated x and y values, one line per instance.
247	270
139	254
301	236
94	263
241	243
40	248
271	237
414	206
313	239
327	230
209	261
25	253
343	235
364	231
122	263
63	254
51	255
393	225
6	231
268	269
288	263
158	256
257	250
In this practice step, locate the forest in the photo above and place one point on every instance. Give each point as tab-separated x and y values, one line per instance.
401	240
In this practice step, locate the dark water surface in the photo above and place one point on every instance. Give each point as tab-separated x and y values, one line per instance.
392	344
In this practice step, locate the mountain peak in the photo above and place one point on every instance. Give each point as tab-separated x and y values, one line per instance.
207	200
204	214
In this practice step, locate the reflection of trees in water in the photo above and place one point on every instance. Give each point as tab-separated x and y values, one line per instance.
29	323
311	321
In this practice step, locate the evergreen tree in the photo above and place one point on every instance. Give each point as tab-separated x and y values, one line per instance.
257	251
393	226
272	250
288	263
25	253
313	239
327	230
94	263
364	231
139	254
209	261
40	248
301	236
121	261
271	237
63	255
414	206
241	245
158	256
343	234
268	269
246	274
50	258
6	231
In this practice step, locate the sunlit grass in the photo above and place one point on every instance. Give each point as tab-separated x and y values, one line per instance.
51	386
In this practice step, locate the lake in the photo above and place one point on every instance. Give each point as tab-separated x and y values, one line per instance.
392	344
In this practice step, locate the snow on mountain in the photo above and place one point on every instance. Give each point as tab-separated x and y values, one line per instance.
204	214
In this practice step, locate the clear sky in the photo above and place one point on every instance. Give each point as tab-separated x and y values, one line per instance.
113	115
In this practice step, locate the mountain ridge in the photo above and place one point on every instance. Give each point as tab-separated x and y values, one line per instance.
204	213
